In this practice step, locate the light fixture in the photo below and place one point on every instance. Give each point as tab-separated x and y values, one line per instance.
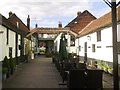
88	38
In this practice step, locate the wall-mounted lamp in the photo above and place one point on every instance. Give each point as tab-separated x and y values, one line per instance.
89	38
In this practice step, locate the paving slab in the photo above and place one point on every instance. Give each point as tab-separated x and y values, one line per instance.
37	73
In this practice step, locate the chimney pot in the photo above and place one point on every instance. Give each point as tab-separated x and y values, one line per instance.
36	25
28	22
78	13
10	13
60	24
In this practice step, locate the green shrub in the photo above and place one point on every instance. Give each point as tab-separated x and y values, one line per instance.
6	63
99	64
4	70
12	63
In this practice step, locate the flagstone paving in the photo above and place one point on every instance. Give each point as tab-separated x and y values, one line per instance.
38	73
41	73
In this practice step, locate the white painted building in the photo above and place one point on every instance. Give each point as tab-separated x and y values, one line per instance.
96	39
11	38
7	42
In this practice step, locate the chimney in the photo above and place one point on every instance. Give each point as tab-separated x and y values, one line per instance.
78	13
10	13
60	25
36	25
28	22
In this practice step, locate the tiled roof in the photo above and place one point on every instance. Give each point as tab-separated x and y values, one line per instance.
51	31
9	25
48	30
103	21
81	21
14	19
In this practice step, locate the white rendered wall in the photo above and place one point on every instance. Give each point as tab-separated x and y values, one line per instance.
4	46
12	42
102	53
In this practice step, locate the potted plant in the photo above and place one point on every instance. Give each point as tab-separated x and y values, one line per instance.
12	65
110	70
105	67
4	73
99	64
6	66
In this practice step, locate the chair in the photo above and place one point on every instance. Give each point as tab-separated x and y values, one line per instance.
94	79
85	78
76	79
66	67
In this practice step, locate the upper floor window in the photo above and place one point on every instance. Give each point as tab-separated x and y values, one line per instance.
98	35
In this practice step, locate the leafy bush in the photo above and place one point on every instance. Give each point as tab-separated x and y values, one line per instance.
48	54
6	63
12	63
99	64
4	70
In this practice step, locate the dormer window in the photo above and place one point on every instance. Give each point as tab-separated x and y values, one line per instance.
75	22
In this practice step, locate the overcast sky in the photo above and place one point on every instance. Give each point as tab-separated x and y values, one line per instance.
47	13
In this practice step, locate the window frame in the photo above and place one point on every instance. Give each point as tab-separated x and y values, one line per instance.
93	48
98	35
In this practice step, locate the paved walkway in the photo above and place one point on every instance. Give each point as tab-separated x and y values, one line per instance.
38	73
42	73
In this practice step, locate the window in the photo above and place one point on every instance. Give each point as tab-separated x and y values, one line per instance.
72	43
79	48
98	35
118	46
7	36
98	46
93	47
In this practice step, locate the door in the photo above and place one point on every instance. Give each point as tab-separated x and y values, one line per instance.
85	52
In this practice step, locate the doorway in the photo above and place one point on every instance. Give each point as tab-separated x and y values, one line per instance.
85	52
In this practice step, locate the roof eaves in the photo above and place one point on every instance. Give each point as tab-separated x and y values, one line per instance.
95	30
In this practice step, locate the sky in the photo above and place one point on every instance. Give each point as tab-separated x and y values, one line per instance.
47	13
